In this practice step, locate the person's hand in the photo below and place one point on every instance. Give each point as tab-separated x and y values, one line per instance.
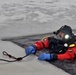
30	50
45	56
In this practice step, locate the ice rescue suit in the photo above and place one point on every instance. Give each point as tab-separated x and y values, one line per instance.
57	49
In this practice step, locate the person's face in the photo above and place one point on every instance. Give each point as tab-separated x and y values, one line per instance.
60	35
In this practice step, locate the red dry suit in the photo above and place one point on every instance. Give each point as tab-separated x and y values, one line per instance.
69	53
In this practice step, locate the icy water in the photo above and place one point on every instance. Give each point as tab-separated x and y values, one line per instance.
27	17
54	12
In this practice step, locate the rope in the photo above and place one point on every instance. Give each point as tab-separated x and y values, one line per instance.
13	57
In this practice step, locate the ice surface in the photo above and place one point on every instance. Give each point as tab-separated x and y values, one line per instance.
29	17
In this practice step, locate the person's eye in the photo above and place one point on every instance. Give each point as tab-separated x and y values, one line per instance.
60	35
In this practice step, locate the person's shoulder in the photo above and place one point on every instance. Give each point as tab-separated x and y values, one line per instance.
45	37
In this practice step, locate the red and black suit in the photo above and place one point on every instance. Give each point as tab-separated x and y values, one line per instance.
57	48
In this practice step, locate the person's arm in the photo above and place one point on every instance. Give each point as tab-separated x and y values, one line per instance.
69	54
42	44
38	45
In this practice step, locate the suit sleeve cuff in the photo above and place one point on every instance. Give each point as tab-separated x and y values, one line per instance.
35	49
54	56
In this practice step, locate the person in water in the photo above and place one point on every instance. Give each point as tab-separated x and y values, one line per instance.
61	47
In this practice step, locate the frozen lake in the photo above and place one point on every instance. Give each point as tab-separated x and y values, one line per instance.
35	15
39	12
28	17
